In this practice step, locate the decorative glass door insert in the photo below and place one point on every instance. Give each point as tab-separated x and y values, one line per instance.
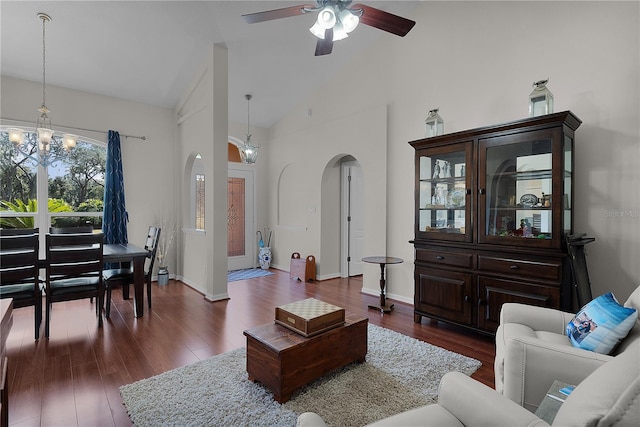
236	217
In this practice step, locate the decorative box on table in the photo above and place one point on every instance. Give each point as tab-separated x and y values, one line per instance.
310	316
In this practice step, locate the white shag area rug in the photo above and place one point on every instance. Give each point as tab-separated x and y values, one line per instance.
400	373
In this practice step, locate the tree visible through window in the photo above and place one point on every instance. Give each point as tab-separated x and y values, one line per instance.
72	185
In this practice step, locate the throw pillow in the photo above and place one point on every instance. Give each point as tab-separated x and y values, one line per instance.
601	324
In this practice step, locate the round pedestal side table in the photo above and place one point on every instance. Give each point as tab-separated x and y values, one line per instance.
383	261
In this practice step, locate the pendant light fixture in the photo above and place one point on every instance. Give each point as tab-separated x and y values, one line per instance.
248	151
50	145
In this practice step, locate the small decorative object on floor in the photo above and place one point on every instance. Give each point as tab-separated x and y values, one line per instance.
163	275
168	233
302	269
434	124
264	257
541	99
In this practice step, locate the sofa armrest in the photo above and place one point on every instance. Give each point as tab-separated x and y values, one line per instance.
536	318
473	403
531	365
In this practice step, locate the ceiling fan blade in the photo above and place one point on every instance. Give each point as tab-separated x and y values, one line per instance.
325	46
252	18
384	20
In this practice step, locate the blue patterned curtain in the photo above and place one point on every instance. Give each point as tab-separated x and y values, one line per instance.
114	223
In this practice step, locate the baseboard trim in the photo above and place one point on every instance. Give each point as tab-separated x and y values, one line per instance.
396	297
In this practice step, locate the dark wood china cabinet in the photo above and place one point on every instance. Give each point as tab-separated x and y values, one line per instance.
492	208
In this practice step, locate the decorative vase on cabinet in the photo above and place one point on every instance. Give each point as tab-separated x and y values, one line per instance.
492	229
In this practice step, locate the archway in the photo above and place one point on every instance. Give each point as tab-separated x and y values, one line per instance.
342	224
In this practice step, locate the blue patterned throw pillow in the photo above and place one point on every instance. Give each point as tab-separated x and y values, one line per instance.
601	324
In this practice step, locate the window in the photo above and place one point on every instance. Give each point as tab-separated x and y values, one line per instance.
73	187
200	201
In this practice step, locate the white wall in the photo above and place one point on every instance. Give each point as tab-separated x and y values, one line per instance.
148	165
476	61
302	164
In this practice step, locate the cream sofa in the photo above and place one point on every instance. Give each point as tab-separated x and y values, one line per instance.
610	396
532	351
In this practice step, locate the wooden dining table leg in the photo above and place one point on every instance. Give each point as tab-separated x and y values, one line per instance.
138	286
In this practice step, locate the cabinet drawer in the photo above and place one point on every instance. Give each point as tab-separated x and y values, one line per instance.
451	259
536	269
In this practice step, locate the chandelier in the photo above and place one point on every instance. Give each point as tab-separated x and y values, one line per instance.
337	17
248	150
46	146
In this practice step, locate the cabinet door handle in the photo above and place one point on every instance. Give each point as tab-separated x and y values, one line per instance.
514	267
439	257
482	191
467	298
467	192
480	302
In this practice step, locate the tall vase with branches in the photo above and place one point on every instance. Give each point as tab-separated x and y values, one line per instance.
167	234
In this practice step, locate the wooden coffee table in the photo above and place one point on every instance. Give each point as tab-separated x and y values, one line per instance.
284	361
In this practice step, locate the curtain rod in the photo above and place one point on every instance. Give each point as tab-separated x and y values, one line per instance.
143	137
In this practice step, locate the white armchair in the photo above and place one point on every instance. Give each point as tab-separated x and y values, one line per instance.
607	397
532	351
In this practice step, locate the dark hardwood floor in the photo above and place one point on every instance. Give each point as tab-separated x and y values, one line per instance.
73	378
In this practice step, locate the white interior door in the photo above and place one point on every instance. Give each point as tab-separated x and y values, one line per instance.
241	223
352	219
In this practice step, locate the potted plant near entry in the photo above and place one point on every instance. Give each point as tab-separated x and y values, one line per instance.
168	233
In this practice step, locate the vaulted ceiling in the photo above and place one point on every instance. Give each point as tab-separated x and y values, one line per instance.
149	51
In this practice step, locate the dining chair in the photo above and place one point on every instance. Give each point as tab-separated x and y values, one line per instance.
18	231
71	230
74	270
123	276
19	273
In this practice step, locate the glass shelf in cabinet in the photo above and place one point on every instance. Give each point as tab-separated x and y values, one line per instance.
521	208
453	180
524	175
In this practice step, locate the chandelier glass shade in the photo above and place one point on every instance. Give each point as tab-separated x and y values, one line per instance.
248	150
336	17
51	145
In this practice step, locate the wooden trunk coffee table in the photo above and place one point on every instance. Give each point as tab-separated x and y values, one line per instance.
284	360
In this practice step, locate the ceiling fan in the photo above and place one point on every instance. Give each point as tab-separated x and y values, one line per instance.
337	18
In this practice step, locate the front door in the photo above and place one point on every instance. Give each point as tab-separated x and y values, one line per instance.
241	252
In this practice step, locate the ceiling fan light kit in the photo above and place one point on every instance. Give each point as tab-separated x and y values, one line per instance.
336	19
327	17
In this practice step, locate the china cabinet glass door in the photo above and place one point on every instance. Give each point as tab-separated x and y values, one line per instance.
445	188
519	191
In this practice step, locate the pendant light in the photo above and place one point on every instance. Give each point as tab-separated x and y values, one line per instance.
248	150
50	145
